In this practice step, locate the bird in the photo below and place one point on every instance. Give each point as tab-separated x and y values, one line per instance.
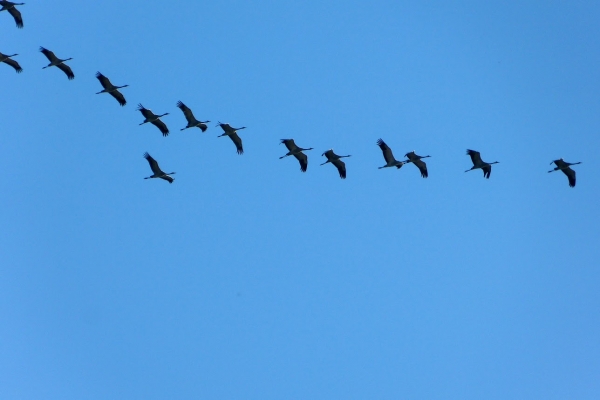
192	121
416	159
157	172
232	133
335	160
565	168
10	7
57	62
389	156
478	163
154	119
111	89
7	60
296	152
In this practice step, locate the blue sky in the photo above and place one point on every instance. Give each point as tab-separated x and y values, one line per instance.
246	279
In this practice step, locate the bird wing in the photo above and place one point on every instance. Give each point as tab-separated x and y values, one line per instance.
67	70
17	16
119	96
145	112
49	54
571	175
411	156
290	144
167	178
341	167
487	170
153	164
475	157
14	64
422	167
303	159
187	113
238	142
162	126
328	154
104	81
387	152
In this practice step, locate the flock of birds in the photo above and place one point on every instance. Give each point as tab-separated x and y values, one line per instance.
228	130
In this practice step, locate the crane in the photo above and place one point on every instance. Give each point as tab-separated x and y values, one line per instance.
111	89
156	171
12	10
389	156
153	119
335	160
57	62
416	160
192	121
232	133
564	166
296	152
479	163
7	60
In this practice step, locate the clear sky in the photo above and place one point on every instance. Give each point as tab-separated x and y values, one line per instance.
247	279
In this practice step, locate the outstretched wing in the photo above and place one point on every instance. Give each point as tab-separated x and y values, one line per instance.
187	113
289	143
153	164
104	81
14	64
238	142
422	167
17	16
341	167
303	159
487	170
67	70
571	175
119	96
161	125
475	157
49	54
145	112
387	152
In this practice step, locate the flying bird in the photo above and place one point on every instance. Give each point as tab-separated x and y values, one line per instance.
157	172
12	10
192	121
335	160
232	133
416	159
153	119
111	89
57	62
7	60
565	168
296	152
479	163
389	156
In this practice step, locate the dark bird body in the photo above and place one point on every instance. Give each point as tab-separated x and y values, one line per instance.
479	163
192	122
335	160
157	172
390	161
297	152
12	10
57	62
232	133
111	89
416	160
8	60
154	119
564	166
